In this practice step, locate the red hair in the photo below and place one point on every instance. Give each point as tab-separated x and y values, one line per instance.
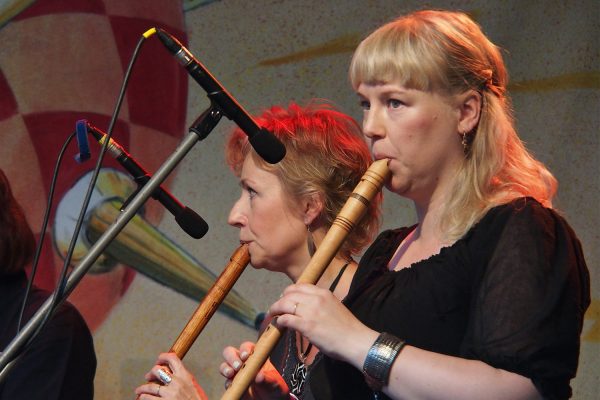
326	154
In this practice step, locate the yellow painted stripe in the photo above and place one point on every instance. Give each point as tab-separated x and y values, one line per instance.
9	9
593	314
574	80
343	44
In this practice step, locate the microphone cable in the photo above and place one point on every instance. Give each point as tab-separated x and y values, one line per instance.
38	249
57	295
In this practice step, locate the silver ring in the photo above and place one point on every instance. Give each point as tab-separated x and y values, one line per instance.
295	307
164	376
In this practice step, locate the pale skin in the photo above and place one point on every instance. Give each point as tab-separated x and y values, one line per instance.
183	385
419	132
275	230
282	249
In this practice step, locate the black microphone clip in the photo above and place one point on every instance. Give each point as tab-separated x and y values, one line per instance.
192	223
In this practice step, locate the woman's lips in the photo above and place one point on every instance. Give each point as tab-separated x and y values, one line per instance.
377	157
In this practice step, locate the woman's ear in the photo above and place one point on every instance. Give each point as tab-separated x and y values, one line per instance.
313	207
470	104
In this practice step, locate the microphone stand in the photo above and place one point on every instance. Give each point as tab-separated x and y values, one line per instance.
197	132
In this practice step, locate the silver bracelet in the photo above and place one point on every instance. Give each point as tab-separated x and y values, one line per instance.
381	356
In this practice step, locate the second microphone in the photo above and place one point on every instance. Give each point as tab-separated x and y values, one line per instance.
192	223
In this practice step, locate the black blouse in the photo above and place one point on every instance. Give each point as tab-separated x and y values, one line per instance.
60	363
511	293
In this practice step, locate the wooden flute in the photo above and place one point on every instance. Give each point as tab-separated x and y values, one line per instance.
352	211
214	297
211	302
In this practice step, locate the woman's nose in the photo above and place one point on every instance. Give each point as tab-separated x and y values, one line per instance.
372	125
236	217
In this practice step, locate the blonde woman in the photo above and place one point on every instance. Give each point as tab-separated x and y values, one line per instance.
484	296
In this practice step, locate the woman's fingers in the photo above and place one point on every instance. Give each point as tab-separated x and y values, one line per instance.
148	391
171	360
319	316
235	358
246	349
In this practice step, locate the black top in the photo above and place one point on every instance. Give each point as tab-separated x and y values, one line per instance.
60	364
284	356
511	293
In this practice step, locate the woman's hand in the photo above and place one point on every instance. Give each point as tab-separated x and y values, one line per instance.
182	384
318	315
268	384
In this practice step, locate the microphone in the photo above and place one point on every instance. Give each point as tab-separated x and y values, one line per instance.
193	224
264	142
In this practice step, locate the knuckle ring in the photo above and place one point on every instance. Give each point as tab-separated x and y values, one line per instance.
164	376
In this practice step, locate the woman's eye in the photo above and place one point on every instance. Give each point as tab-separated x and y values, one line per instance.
365	105
251	192
394	103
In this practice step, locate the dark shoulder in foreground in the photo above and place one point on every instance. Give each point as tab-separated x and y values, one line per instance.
60	363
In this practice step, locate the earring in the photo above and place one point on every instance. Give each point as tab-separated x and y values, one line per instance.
310	242
465	142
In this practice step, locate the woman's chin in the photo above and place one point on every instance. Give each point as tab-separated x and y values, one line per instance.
259	263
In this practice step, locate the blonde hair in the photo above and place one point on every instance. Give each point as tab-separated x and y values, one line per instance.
447	53
325	155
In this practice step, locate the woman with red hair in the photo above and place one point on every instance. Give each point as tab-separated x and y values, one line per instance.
283	213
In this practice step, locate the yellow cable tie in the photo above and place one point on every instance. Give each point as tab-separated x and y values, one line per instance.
149	33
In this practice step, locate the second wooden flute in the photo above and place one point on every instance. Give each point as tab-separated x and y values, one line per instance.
214	297
354	209
211	302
